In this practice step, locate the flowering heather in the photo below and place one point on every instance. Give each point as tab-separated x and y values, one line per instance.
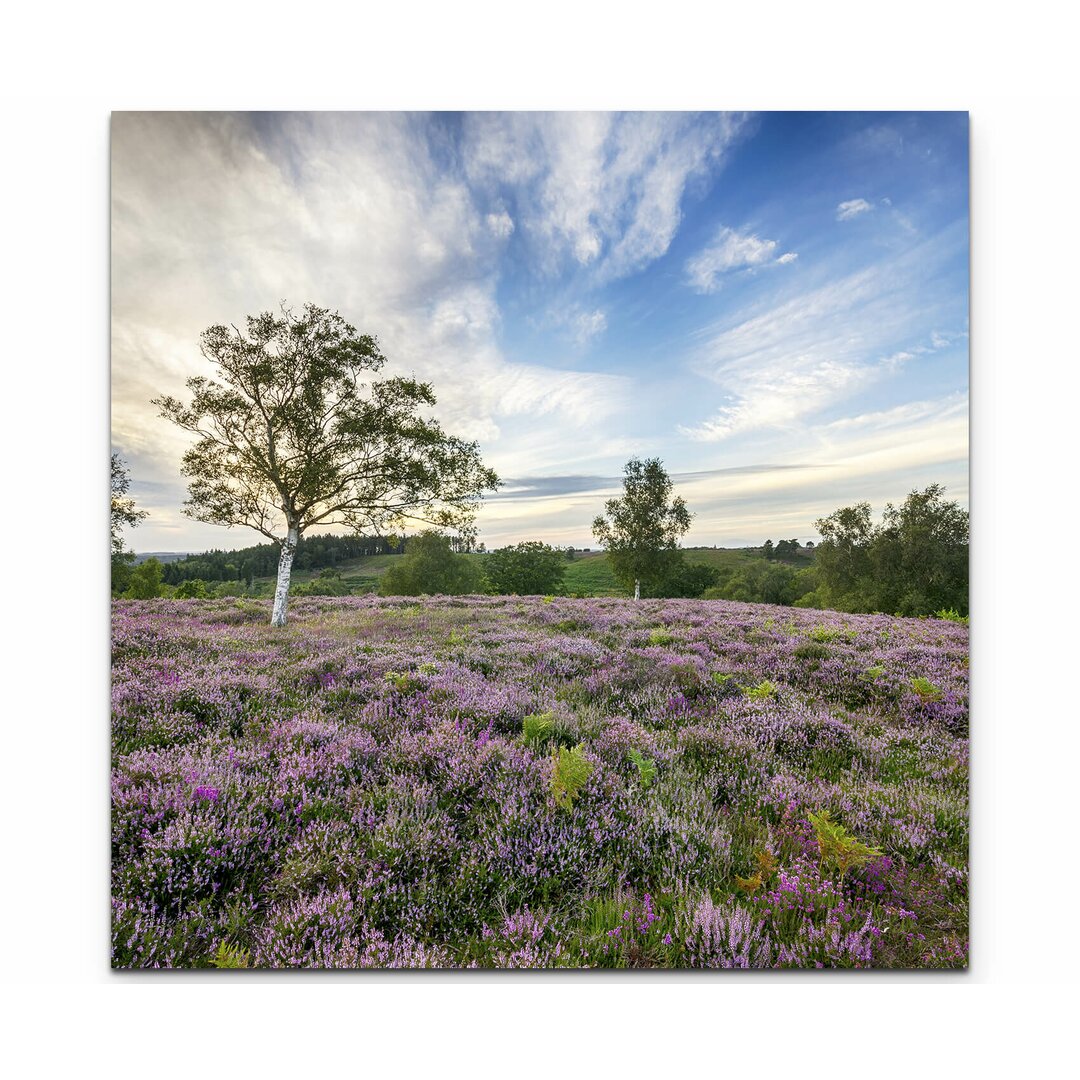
378	784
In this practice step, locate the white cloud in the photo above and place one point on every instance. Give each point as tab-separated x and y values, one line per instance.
601	191
730	251
852	208
501	224
588	324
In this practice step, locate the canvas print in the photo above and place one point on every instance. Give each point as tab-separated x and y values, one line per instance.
539	540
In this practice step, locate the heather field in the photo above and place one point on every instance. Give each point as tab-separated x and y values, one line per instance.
504	782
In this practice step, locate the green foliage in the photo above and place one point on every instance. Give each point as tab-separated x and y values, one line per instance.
122	513
915	562
762	692
660	636
684	579
230	956
641	530
328	583
122	510
121	571
145	581
952	615
195	589
402	682
761	582
571	773
811	650
527	569
537	728
431	566
839	849
925	689
646	767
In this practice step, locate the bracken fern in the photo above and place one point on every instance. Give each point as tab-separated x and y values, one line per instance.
572	772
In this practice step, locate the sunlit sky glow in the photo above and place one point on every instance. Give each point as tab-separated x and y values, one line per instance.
775	304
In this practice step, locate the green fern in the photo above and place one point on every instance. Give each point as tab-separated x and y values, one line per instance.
838	848
762	691
571	774
230	956
536	728
925	689
646	767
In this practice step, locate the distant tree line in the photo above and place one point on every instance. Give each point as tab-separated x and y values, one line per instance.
261	560
786	550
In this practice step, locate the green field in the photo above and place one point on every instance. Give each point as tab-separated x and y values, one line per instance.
586	575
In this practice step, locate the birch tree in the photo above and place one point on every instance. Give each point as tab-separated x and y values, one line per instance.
295	433
641	530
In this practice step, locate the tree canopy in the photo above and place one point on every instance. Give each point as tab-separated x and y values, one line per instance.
641	530
431	566
296	434
915	562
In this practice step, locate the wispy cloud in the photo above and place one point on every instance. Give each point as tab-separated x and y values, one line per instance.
818	348
600	190
845	211
730	251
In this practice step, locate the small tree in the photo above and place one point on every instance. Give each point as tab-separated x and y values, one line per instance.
431	566
641	530
122	513
292	438
527	569
145	581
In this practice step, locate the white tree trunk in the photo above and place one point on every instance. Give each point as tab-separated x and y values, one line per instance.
637	589
284	574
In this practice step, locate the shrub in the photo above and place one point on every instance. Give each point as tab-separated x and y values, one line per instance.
431	566
660	636
528	569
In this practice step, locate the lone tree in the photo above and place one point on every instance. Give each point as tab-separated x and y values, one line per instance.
641	530
121	512
291	438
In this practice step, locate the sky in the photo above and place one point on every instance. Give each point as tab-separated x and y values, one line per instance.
773	304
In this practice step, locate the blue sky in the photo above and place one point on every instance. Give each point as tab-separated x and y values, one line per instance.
774	304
